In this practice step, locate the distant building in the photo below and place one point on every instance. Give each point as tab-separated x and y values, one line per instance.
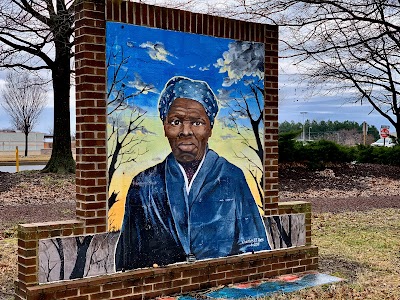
9	140
48	145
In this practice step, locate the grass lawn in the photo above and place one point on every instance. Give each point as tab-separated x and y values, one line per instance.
361	247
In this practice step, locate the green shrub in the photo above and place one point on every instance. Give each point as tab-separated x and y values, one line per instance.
379	155
327	151
317	154
288	146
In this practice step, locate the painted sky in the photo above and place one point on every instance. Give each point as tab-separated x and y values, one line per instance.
154	57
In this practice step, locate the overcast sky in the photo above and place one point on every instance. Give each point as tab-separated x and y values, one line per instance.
293	99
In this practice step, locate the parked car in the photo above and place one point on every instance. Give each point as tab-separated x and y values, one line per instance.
388	142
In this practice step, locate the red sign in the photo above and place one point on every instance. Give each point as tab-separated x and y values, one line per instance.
385	132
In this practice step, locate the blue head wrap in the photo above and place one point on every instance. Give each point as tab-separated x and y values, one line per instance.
182	87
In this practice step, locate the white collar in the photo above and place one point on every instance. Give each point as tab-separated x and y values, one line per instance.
187	184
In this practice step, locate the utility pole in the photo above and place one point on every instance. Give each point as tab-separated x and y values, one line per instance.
365	131
304	125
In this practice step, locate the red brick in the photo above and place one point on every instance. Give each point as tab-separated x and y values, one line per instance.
217	276
86	297
162	285
98	296
155	279
224	268
298	269
191	287
199	279
122	292
180	282
249	271
190	273
90	289
234	273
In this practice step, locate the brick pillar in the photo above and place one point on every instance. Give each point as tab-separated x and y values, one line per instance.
271	188
91	115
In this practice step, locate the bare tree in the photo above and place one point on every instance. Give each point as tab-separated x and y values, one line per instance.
124	118
47	264
244	61
24	100
37	35
343	46
251	107
60	250
82	245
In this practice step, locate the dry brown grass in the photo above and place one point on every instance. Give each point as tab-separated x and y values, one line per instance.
361	247
8	267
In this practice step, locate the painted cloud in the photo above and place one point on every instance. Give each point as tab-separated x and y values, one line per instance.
242	59
141	86
157	51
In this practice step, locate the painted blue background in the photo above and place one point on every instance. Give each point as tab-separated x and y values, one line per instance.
189	55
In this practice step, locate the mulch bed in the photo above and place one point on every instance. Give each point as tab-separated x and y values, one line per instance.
30	197
342	178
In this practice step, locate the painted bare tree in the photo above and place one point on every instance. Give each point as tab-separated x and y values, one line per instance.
286	231
246	60
124	117
24	100
37	35
77	257
100	258
47	263
82	246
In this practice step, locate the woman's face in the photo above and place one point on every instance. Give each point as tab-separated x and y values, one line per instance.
187	128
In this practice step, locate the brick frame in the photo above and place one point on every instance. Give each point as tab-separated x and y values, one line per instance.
91	174
91	117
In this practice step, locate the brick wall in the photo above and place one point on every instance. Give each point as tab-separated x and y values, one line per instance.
149	283
91	99
91	174
28	244
182	278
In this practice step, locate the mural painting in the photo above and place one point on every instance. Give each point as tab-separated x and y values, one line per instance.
185	158
285	231
185	146
76	257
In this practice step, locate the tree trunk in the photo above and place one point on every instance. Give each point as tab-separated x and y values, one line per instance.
82	248
26	144
61	160
60	250
397	128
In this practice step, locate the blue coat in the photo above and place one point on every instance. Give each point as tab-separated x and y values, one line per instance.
163	224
